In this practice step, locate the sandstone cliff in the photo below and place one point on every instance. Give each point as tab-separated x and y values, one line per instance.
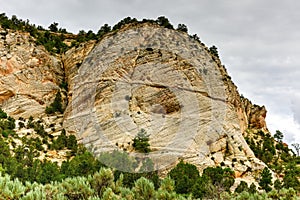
141	77
165	82
29	75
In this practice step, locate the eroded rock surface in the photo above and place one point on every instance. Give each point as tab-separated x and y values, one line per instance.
141	77
160	80
29	75
73	59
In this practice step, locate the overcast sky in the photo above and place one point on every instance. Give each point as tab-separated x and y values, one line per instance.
258	40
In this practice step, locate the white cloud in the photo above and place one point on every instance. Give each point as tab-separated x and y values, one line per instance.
286	124
296	107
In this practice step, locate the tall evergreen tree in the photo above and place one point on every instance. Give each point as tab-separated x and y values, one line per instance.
266	180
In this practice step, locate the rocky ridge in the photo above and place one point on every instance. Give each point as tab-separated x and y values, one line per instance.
131	94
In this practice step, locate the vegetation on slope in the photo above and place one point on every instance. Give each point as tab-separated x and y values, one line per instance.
56	105
276	154
58	40
81	176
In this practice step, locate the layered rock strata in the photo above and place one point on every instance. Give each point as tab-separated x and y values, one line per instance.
29	75
160	80
140	77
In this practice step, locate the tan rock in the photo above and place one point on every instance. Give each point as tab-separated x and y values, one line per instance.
152	78
72	60
29	75
141	77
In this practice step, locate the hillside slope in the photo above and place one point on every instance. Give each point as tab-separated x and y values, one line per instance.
143	76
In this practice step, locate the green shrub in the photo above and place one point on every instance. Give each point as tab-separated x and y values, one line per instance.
10	189
214	51
243	186
222	177
143	189
185	175
61	141
103	30
109	195
72	144
3	114
30	123
277	184
64	85
102	180
203	188
21	125
163	21
182	27
77	188
40	130
7	132
252	188
56	106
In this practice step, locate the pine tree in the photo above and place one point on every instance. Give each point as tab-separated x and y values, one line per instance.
266	180
243	186
141	142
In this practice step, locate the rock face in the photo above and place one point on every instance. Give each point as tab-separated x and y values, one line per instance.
29	75
72	60
255	115
141	77
161	80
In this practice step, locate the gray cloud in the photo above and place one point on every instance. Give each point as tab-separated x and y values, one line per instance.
296	107
258	41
